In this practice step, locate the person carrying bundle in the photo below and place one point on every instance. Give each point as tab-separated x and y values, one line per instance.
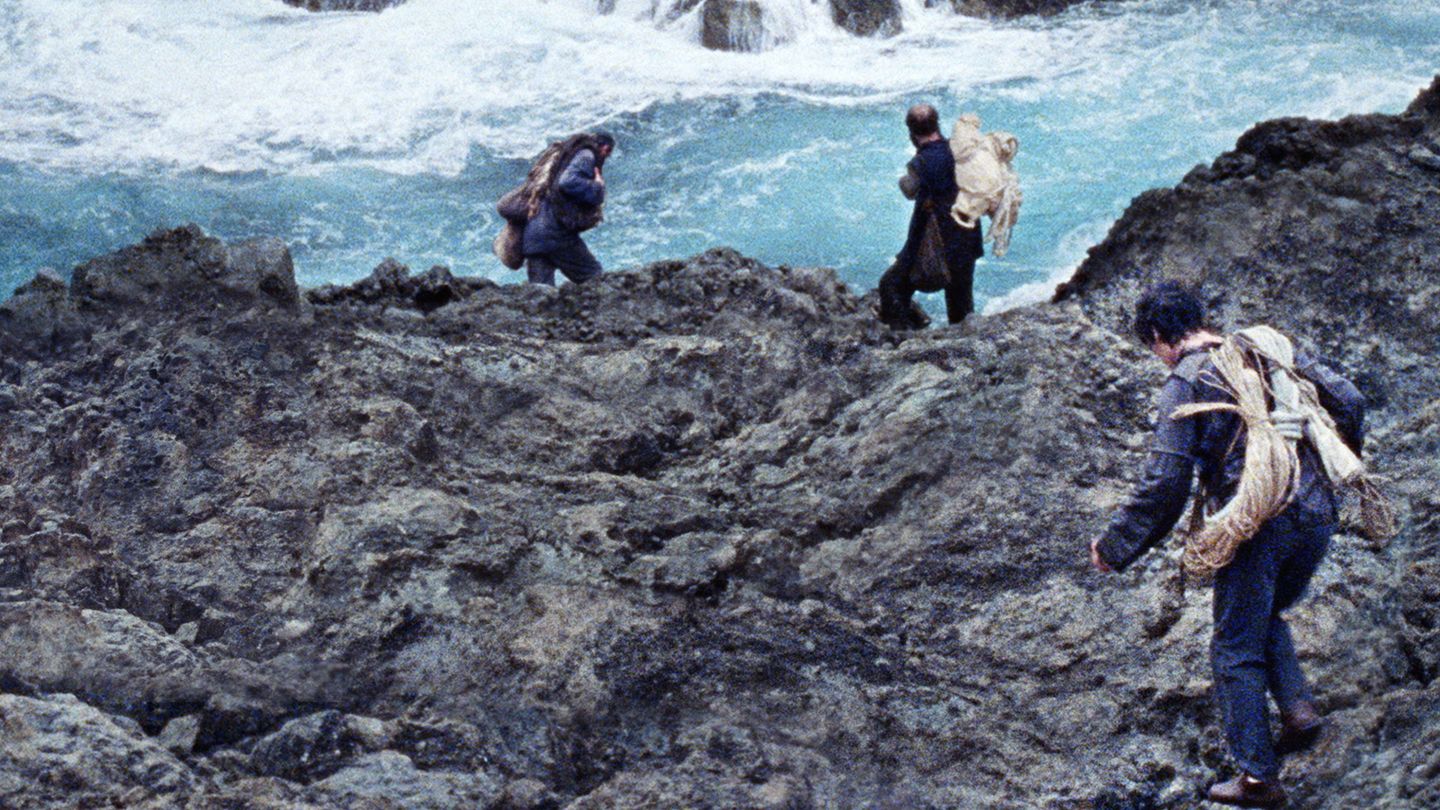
938	253
1274	434
988	183
562	196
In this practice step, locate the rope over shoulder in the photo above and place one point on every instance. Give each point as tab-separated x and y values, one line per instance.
1256	367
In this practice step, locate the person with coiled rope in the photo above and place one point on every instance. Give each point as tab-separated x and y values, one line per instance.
1273	432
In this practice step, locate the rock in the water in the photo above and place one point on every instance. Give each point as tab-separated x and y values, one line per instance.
868	17
344	5
734	25
750	25
1010	9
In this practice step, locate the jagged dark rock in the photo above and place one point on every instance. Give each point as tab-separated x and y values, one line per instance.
696	534
868	17
741	25
732	25
1010	9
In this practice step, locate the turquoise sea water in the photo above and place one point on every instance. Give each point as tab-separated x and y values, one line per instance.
356	136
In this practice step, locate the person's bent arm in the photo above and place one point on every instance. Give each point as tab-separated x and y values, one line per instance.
1159	498
578	181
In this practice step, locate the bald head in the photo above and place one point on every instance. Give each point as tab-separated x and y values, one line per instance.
922	120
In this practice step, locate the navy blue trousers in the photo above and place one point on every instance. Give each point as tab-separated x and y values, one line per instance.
573	259
1252	650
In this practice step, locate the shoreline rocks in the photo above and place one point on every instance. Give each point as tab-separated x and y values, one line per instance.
751	25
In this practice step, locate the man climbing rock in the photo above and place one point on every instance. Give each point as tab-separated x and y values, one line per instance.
564	194
1215	408
938	252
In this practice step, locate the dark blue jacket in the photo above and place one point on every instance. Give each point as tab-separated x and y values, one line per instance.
934	166
1214	441
544	232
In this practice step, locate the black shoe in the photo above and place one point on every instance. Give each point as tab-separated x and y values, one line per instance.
918	318
1301	727
1247	791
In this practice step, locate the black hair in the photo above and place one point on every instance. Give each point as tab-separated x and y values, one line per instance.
1169	311
605	139
922	120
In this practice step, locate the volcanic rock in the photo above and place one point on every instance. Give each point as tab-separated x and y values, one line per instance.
57	751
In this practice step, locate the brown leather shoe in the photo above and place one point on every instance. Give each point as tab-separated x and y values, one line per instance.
1247	791
1301	727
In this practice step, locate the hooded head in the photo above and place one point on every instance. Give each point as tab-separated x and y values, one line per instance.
604	145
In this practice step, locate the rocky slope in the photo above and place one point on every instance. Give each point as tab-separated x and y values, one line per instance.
696	534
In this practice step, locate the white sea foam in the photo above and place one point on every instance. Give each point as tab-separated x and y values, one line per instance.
252	84
1069	252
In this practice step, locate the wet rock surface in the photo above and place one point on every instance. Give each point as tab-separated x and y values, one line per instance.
746	25
343	5
867	17
752	25
1010	9
696	534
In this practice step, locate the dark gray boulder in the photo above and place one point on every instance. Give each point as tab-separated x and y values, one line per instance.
58	751
184	267
868	17
732	25
344	5
1010	9
741	25
40	317
313	747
